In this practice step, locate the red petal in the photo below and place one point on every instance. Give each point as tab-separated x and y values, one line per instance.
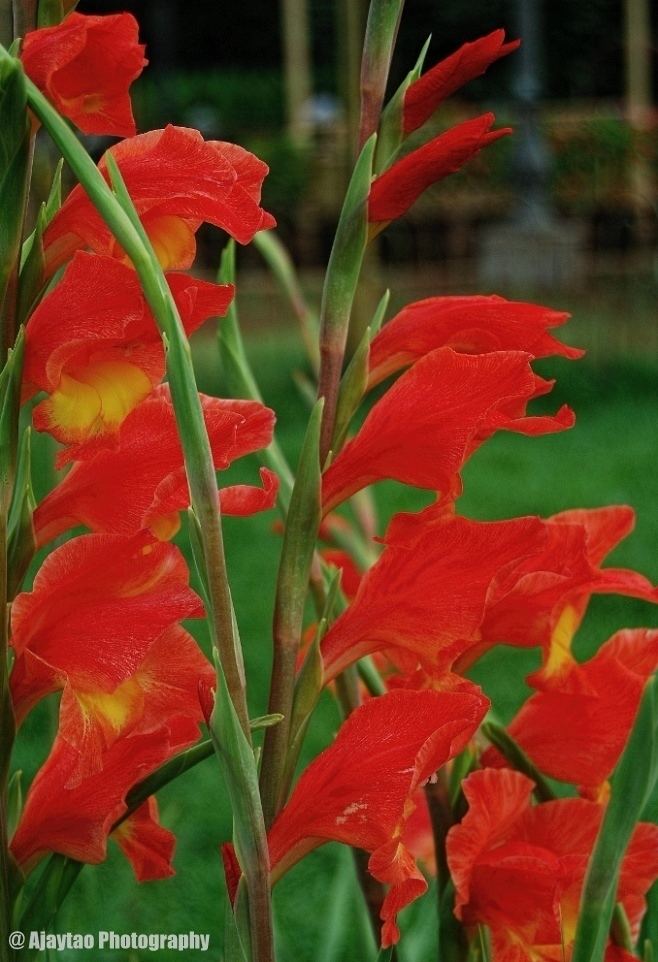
394	191
90	588
176	181
471	60
470	325
431	420
146	844
428	596
85	66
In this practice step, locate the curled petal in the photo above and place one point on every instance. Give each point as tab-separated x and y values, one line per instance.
146	844
470	325
85	65
177	181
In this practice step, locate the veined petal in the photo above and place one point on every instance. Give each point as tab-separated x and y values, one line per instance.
427	425
177	181
470	325
141	482
359	791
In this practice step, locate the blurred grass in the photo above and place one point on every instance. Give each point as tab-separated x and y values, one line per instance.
608	458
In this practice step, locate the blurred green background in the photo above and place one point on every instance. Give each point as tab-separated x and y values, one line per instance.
220	66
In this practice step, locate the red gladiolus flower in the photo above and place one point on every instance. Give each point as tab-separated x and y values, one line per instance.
98	604
425	597
394	191
85	66
360	790
469	325
177	181
93	347
576	729
141	483
544	603
519	869
146	844
427	93
76	820
434	417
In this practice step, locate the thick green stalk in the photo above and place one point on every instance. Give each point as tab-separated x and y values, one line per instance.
381	32
301	530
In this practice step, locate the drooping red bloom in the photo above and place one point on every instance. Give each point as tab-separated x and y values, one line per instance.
98	604
519	869
76	820
426	596
359	791
470	325
544	603
435	416
85	66
177	181
576	728
427	93
146	844
141	482
92	345
394	191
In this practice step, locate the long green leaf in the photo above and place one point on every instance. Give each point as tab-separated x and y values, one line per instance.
631	788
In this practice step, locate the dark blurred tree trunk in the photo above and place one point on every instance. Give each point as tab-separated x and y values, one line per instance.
6	23
295	32
638	107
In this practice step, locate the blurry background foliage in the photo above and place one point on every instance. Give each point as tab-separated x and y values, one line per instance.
218	65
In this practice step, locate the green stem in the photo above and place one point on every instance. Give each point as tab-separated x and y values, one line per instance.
381	32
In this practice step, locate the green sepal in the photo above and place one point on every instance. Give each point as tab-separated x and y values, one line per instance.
391	129
33	260
14	167
236	928
10	400
632	785
347	251
265	721
354	382
22	540
52	12
352	389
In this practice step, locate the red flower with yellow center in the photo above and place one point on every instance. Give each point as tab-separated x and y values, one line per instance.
519	869
576	726
85	66
93	347
98	604
141	482
177	181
